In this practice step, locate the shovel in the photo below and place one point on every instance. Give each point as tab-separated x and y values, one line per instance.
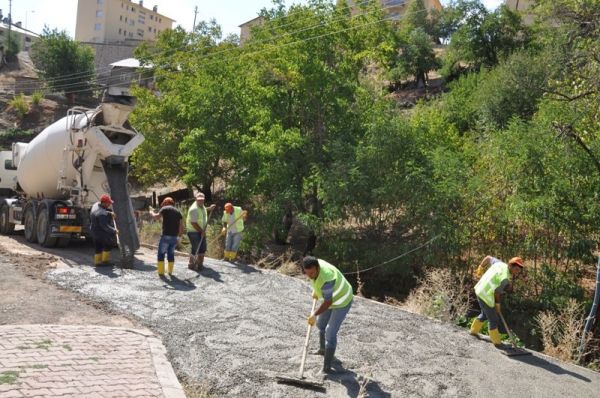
301	381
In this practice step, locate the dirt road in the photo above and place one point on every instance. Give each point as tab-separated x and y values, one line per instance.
232	328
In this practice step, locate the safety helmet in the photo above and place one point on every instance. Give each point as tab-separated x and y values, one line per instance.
106	199
517	261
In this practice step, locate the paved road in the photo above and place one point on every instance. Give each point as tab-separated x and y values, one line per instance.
232	328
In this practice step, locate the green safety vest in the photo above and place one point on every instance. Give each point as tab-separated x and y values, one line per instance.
202	217
489	282
342	290
237	215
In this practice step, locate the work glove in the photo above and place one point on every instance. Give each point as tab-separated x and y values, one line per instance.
150	208
223	231
245	213
311	320
497	308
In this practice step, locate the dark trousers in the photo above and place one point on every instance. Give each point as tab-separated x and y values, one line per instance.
488	313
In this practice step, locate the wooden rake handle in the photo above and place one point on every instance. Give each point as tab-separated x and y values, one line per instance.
303	361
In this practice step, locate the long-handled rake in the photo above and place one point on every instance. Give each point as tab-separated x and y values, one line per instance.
302	381
513	350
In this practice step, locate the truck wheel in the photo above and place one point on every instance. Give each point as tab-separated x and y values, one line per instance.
43	229
6	227
30	230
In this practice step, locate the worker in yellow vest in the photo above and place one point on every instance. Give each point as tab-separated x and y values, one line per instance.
233	226
329	284
494	282
196	223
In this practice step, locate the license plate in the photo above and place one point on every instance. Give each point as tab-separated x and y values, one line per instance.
69	228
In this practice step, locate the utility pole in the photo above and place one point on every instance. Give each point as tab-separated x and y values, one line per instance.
195	14
9	24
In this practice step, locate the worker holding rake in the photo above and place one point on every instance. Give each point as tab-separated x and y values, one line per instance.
494	282
329	284
196	223
233	226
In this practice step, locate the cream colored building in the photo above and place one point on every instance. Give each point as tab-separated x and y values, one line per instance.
245	28
24	37
113	21
524	8
396	8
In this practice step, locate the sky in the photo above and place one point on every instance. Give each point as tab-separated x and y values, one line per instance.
61	14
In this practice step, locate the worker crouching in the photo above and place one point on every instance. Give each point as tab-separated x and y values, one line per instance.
494	282
329	284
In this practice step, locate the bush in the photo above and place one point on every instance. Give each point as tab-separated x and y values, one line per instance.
561	331
441	294
37	97
20	105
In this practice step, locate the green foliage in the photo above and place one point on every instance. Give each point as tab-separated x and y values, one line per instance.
12	45
37	97
484	38
56	55
7	137
20	105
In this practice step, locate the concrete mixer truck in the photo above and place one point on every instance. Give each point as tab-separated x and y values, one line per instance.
57	177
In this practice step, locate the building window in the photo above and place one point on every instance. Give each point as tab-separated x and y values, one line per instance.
130	34
124	33
160	20
152	17
149	29
132	9
99	14
125	19
154	30
131	22
120	30
98	27
27	39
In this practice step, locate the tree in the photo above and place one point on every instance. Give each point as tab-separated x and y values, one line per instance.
65	65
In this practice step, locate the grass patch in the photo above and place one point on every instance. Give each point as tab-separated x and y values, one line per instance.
45	344
39	366
9	377
67	347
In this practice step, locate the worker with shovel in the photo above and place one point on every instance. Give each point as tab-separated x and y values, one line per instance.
103	229
329	284
172	229
196	222
233	225
494	282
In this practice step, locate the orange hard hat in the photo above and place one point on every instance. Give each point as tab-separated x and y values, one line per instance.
168	201
517	261
228	206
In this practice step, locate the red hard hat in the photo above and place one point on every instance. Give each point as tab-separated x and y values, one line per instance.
106	199
516	260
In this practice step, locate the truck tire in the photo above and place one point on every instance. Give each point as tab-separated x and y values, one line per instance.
6	227
43	229
29	224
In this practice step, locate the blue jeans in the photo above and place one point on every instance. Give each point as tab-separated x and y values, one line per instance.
198	243
329	324
232	241
167	245
488	313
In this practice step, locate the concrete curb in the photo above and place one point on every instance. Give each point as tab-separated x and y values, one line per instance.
164	371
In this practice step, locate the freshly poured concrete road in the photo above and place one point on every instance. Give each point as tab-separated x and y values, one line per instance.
233	328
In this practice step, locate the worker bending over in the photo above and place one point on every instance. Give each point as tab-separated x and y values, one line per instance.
172	229
233	225
494	282
102	226
329	284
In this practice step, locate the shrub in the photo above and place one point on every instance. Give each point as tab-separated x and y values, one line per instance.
37	97
20	105
440	294
561	331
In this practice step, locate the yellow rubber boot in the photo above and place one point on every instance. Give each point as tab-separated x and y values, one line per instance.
171	266
232	255
495	337
105	257
97	259
476	326
226	255
160	267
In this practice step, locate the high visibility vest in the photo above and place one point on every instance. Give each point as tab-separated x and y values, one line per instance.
489	282
342	290
237	215
202	218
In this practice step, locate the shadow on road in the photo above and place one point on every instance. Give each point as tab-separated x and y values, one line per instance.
108	271
211	273
174	283
356	386
549	366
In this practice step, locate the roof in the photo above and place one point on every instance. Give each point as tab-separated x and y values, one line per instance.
260	17
129	63
17	29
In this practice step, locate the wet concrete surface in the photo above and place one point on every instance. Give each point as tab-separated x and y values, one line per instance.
233	328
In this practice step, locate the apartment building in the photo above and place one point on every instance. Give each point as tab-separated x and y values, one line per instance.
524	7
395	8
113	21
